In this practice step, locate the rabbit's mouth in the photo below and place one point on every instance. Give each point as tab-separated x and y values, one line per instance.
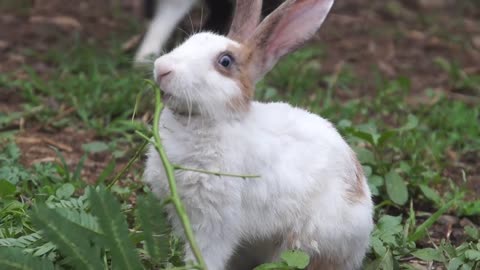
180	106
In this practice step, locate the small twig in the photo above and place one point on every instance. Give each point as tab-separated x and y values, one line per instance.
178	167
170	172
58	145
126	168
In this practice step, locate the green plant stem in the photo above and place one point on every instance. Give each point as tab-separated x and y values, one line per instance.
126	168
170	172
178	167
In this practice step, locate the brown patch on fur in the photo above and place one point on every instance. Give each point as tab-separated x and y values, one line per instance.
239	71
290	240
356	192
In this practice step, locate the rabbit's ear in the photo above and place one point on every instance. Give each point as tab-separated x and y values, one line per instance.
245	20
284	30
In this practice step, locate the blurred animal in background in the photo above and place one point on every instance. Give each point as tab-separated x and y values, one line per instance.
167	14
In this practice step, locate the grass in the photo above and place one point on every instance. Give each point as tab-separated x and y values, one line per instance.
414	157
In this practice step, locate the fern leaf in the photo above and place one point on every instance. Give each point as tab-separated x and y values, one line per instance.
68	237
70	203
42	250
21	242
84	219
15	259
155	228
115	229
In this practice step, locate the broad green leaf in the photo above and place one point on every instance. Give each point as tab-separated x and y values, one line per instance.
388	223
412	122
6	188
365	156
396	188
367	170
429	254
387	229
65	191
114	226
95	147
366	136
378	246
15	259
374	182
431	194
472	254
272	266
472	232
454	264
295	258
386	262
68	237
155	227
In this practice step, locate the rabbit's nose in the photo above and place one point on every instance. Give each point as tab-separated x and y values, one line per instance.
162	70
162	74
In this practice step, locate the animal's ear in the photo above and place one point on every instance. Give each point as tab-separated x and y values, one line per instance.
246	18
284	30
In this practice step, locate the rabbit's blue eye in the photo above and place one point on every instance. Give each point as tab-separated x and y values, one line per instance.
225	60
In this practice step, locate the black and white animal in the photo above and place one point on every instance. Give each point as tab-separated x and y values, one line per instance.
311	194
166	15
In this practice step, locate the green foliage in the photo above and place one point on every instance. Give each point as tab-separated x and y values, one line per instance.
70	238
115	229
460	79
290	260
15	259
155	228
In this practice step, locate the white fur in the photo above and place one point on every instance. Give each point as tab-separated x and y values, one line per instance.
306	168
167	15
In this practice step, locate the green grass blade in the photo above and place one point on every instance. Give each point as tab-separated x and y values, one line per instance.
69	238
154	226
422	229
115	229
15	259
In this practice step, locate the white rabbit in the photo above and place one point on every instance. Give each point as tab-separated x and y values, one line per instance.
311	194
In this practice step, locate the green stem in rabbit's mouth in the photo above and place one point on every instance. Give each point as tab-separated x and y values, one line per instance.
170	173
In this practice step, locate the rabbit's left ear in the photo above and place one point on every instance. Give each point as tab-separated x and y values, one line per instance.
284	30
246	18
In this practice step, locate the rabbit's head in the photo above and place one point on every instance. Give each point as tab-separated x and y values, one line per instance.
215	76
